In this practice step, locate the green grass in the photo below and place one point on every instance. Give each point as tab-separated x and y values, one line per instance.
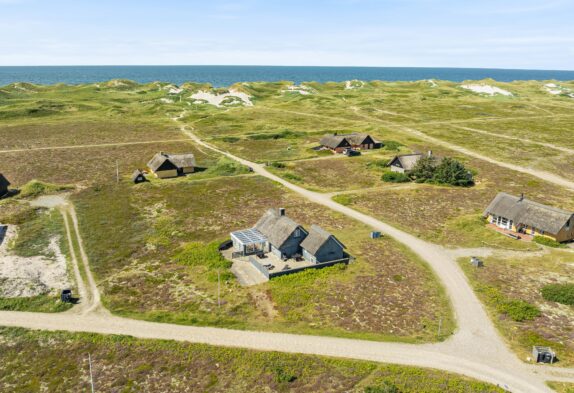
42	303
545	241
36	188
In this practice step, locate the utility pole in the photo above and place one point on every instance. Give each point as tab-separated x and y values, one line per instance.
91	375
439	326
218	289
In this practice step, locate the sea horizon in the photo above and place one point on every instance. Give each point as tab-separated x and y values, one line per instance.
225	75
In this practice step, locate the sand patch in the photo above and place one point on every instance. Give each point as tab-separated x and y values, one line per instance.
487	89
231	98
354	84
31	276
300	89
558	90
432	83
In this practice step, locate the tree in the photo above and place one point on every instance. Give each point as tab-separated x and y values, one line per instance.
451	171
424	170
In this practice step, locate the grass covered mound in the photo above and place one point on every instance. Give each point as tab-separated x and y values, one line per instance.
559	293
36	188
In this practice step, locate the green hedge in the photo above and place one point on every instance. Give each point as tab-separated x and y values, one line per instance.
395	177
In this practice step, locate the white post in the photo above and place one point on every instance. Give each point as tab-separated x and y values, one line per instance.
439	326
117	172
91	375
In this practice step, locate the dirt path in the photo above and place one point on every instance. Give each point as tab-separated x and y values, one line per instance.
514	138
89	146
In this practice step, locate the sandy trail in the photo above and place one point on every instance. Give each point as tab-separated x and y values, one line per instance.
20	150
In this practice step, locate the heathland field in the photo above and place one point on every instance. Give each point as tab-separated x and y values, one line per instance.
152	247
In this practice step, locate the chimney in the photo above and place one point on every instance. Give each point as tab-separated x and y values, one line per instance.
521	197
281	211
429	153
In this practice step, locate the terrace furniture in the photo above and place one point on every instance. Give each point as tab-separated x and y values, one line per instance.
286	267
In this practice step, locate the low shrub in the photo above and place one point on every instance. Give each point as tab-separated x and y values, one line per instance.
518	310
546	241
283	376
395	177
391	145
201	254
292	176
386	387
230	139
279	165
559	293
287	134
343	199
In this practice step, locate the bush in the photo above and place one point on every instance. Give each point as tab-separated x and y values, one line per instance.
391	145
395	177
278	165
278	135
283	376
546	241
292	176
230	139
559	293
519	310
387	387
200	254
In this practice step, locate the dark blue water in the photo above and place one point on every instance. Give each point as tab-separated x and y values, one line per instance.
226	75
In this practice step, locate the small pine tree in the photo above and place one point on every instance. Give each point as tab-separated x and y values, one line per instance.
424	170
451	171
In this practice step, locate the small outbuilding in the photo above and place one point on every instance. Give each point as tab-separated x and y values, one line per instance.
543	354
4	184
138	177
165	165
321	246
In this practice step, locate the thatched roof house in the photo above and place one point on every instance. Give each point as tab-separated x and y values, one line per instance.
337	143
321	246
405	162
523	215
340	142
171	165
283	234
4	184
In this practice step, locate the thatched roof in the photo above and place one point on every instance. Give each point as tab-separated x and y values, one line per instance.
317	238
334	141
137	174
177	160
276	228
358	139
527	212
406	161
4	183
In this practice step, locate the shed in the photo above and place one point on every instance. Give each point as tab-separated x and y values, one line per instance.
4	184
542	354
138	177
321	246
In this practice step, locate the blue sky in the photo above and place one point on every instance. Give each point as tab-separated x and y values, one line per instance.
419	33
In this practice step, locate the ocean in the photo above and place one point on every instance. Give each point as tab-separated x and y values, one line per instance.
221	76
